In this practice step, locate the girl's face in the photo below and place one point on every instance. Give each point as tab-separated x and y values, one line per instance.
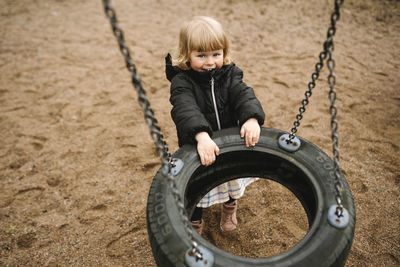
206	61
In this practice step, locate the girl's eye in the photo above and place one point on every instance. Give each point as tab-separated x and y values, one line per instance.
217	54
201	56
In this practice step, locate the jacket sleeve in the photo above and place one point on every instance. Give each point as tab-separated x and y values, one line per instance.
245	103
186	114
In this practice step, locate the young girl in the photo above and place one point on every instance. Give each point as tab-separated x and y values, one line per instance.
208	94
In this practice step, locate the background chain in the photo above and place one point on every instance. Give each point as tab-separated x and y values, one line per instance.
155	131
328	48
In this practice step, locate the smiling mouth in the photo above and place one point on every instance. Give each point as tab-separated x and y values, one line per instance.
208	69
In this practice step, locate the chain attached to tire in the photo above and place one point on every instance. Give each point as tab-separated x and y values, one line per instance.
328	48
155	130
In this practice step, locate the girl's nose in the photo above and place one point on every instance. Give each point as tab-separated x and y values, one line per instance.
209	60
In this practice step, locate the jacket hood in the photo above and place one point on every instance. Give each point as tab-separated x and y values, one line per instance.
170	70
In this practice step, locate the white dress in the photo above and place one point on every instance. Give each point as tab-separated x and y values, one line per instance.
221	193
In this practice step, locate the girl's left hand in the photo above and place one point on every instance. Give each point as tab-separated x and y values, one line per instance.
251	132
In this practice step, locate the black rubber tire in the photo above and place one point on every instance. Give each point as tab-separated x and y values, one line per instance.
306	172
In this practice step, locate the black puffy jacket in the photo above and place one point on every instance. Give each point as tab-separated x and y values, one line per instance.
193	108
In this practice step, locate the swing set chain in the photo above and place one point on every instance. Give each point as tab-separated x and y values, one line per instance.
335	136
161	147
155	130
327	52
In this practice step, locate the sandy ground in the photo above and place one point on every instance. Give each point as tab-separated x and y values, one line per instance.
77	160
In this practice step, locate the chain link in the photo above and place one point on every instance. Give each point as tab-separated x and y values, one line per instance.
327	53
155	131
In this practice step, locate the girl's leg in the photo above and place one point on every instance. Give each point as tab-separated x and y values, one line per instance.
228	215
197	214
230	200
197	221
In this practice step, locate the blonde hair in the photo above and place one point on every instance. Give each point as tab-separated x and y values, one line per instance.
201	34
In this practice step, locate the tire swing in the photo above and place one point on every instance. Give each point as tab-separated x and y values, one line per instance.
313	177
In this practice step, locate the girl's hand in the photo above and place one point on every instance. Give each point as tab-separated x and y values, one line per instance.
251	132
207	148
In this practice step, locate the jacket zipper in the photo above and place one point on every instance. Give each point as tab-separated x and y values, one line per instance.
215	103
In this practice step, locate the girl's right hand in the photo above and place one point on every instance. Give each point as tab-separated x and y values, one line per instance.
207	148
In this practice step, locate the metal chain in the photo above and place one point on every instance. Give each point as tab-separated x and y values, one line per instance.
318	66
161	147
335	136
327	51
155	130
308	94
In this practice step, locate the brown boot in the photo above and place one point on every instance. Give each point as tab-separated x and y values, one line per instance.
198	226
228	217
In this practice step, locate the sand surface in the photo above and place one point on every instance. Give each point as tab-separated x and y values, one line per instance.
77	160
